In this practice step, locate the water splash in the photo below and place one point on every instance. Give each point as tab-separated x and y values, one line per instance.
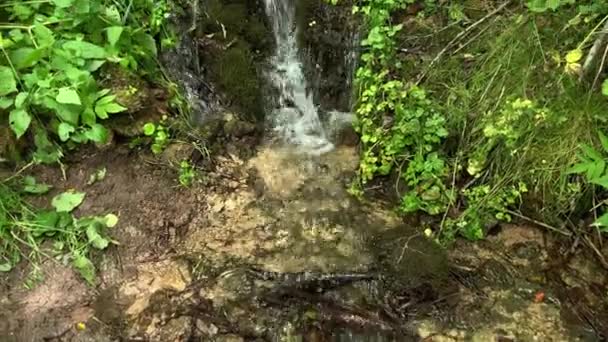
296	119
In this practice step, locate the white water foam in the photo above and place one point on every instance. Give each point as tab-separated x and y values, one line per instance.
297	118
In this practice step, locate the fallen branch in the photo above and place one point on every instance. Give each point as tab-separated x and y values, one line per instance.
590	61
539	223
460	36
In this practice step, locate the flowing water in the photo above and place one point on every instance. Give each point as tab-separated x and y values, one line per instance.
296	119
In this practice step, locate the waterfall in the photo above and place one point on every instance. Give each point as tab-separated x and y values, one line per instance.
296	119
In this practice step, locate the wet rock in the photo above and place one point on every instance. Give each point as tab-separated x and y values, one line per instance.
176	152
235	127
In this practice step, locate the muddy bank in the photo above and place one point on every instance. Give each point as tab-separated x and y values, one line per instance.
190	264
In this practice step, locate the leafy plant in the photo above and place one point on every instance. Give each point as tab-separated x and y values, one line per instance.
187	174
159	134
397	122
51	54
592	164
23	230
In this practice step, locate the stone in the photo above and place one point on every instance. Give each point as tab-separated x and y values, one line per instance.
176	152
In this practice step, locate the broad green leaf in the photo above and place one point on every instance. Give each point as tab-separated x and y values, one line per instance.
19	120
85	49
63	3
149	129
43	35
68	95
95	239
6	102
67	201
605	87
30	185
88	117
113	34
601	181
26	57
6	267
111	220
64	130
97	133
147	42
85	267
8	84
20	99
113	108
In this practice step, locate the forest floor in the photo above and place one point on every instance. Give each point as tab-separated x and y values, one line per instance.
182	266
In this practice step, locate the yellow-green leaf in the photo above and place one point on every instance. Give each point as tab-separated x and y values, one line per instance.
574	56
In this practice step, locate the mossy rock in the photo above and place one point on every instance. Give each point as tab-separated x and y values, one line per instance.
131	91
234	71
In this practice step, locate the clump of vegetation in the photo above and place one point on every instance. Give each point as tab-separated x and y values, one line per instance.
24	230
486	127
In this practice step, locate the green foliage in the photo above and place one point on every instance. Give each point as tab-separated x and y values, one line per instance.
159	134
187	174
483	205
24	230
592	164
397	122
51	54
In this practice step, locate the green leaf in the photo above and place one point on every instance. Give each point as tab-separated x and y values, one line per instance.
604	141
68	95
147	42
605	87
43	35
19	120
26	57
6	267
30	185
8	84
63	3
64	130
602	222
85	267
149	129
67	201
20	99
574	55
6	102
97	133
113	34
85	49
95	239
114	108
111	220
591	152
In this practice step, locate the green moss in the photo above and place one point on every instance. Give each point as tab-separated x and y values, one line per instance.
242	40
237	76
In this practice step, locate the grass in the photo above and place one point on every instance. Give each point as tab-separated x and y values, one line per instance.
519	56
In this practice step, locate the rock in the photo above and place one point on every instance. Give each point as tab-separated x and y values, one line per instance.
208	329
176	152
229	338
235	127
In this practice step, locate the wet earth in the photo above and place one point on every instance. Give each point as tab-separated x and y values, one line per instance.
272	248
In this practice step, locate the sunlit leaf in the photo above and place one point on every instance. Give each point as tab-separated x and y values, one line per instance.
67	201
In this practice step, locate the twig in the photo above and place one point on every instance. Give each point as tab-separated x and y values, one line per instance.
539	223
595	49
599	254
16	174
459	36
599	71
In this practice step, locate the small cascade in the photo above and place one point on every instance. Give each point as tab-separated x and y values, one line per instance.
296	119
